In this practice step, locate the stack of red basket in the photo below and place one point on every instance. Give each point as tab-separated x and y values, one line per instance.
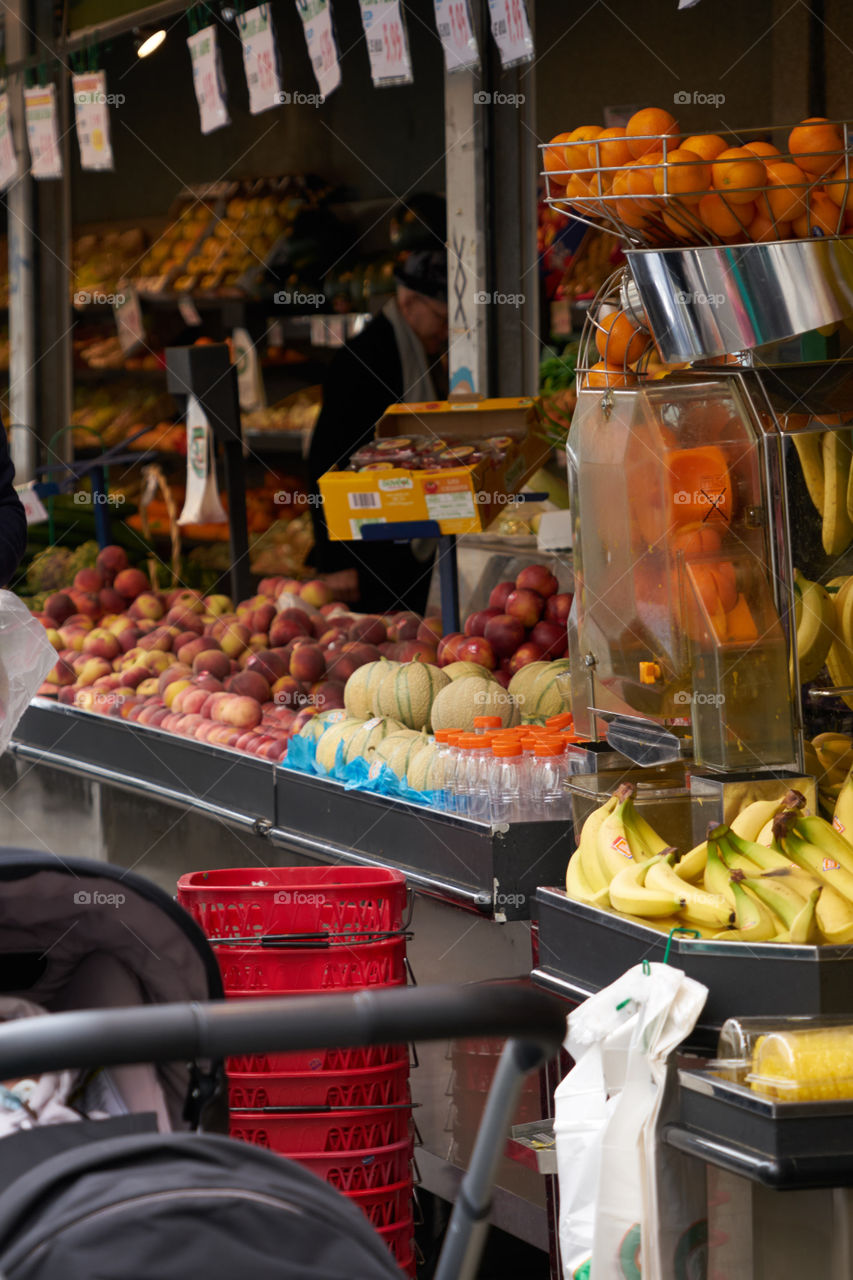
309	930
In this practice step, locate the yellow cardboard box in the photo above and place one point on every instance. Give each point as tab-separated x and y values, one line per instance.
462	499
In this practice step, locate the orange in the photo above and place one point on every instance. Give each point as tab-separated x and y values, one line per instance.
579	192
683	174
555	159
609	150
737	172
762	149
706	145
620	183
618	339
646	128
577	157
629	212
822	217
786	191
641	179
604	375
816	145
683	224
839	188
763	228
726	580
696	539
718	215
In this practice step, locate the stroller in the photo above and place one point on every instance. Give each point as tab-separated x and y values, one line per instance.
142	1185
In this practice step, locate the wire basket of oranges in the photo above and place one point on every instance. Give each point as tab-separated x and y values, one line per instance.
655	187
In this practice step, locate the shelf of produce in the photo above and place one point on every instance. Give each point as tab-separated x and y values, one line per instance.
275	441
583	949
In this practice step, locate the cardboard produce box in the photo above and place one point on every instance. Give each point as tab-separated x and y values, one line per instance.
462	499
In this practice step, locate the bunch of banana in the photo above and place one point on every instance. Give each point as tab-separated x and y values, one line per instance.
837	526
774	901
829	757
814	615
809	446
839	660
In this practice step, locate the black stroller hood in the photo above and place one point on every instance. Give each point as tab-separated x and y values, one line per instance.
168	1207
79	934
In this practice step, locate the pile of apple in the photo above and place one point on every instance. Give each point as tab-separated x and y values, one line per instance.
525	622
245	677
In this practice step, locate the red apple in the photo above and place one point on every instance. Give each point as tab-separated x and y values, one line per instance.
370	629
552	637
430	631
448	648
475	623
131	583
403	626
525	605
558	607
328	695
504	633
500	594
307	663
283	630
478	649
538	578
88	580
111	560
287	692
59	607
250	683
415	651
529	652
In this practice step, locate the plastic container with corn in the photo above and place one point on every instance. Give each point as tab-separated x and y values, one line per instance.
803	1059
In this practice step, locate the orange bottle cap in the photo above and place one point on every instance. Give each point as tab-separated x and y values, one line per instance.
563	721
506	750
548	749
487	722
469	741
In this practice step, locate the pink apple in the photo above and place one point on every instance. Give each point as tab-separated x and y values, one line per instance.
552	637
477	649
475	623
538	578
558	607
504	633
529	652
525	605
500	594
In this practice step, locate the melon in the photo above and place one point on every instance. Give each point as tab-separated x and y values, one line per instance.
361	688
398	750
456	670
460	702
327	747
317	725
407	693
368	736
426	770
536	691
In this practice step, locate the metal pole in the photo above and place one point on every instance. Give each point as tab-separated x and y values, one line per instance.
22	387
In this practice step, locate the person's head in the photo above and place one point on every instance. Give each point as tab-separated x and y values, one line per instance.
422	297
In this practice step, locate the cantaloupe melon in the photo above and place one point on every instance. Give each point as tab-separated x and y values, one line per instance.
536	691
459	704
317	725
407	692
426	770
327	746
456	670
369	736
398	751
361	688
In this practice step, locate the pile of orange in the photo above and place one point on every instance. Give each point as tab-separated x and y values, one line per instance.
685	190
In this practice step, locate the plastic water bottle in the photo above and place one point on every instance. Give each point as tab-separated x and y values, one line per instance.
548	778
447	757
507	781
483	724
475	747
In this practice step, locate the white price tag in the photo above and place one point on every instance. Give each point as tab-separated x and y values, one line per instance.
34	508
189	311
207	79
8	159
316	18
456	32
260	58
43	131
92	119
511	31
387	42
129	322
250	384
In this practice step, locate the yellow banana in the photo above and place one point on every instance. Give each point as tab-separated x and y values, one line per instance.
753	921
842	818
717	877
692	865
804	929
840	742
834	916
837	526
815	617
612	841
587	851
821	865
781	898
750	820
839	660
628	892
809	448
704	908
579	888
818	831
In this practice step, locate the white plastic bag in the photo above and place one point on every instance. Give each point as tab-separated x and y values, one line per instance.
26	657
604	1110
201	505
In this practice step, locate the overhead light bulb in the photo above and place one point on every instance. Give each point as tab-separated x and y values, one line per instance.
148	40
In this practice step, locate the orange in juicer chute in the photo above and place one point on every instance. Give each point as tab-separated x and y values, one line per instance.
700	485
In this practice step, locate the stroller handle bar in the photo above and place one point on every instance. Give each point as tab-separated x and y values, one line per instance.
219	1029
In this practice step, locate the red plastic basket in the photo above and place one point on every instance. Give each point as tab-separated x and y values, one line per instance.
385	1206
359	1170
400	1237
366	1087
246	902
369	964
317	1131
319	1061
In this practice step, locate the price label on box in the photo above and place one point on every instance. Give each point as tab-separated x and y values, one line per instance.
456	32
34	508
43	132
92	120
260	58
8	159
387	42
511	31
322	48
207	79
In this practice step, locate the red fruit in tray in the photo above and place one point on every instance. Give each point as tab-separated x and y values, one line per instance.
250	683
307	663
59	607
504	633
500	594
558	607
86	603
110	600
525	605
529	652
475	623
212	661
269	663
415	651
111	560
477	649
260	618
283	630
552	637
430	631
131	583
448	648
370	629
503	678
298	616
288	692
538	578
88	580
403	626
328	695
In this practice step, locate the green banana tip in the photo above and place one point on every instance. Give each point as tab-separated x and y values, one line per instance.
625	791
716	831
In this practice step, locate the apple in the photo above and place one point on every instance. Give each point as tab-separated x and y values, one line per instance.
59	607
403	626
475	623
88	580
558	607
288	692
415	651
538	578
316	593
527	653
270	664
370	629
101	643
448	646
307	663
504	633
328	695
525	605
499	595
111	560
478	649
131	583
212	661
552	637
250	683
430	631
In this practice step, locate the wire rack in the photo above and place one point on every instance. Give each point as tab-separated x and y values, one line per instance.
660	200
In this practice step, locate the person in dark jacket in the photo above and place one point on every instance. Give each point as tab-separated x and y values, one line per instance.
399	356
13	520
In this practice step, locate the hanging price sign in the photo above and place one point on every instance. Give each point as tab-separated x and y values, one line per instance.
8	159
43	132
456	32
387	43
260	58
207	79
316	18
92	119
130	325
511	31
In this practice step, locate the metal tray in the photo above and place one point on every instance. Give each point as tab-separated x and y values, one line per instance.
583	949
785	1145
